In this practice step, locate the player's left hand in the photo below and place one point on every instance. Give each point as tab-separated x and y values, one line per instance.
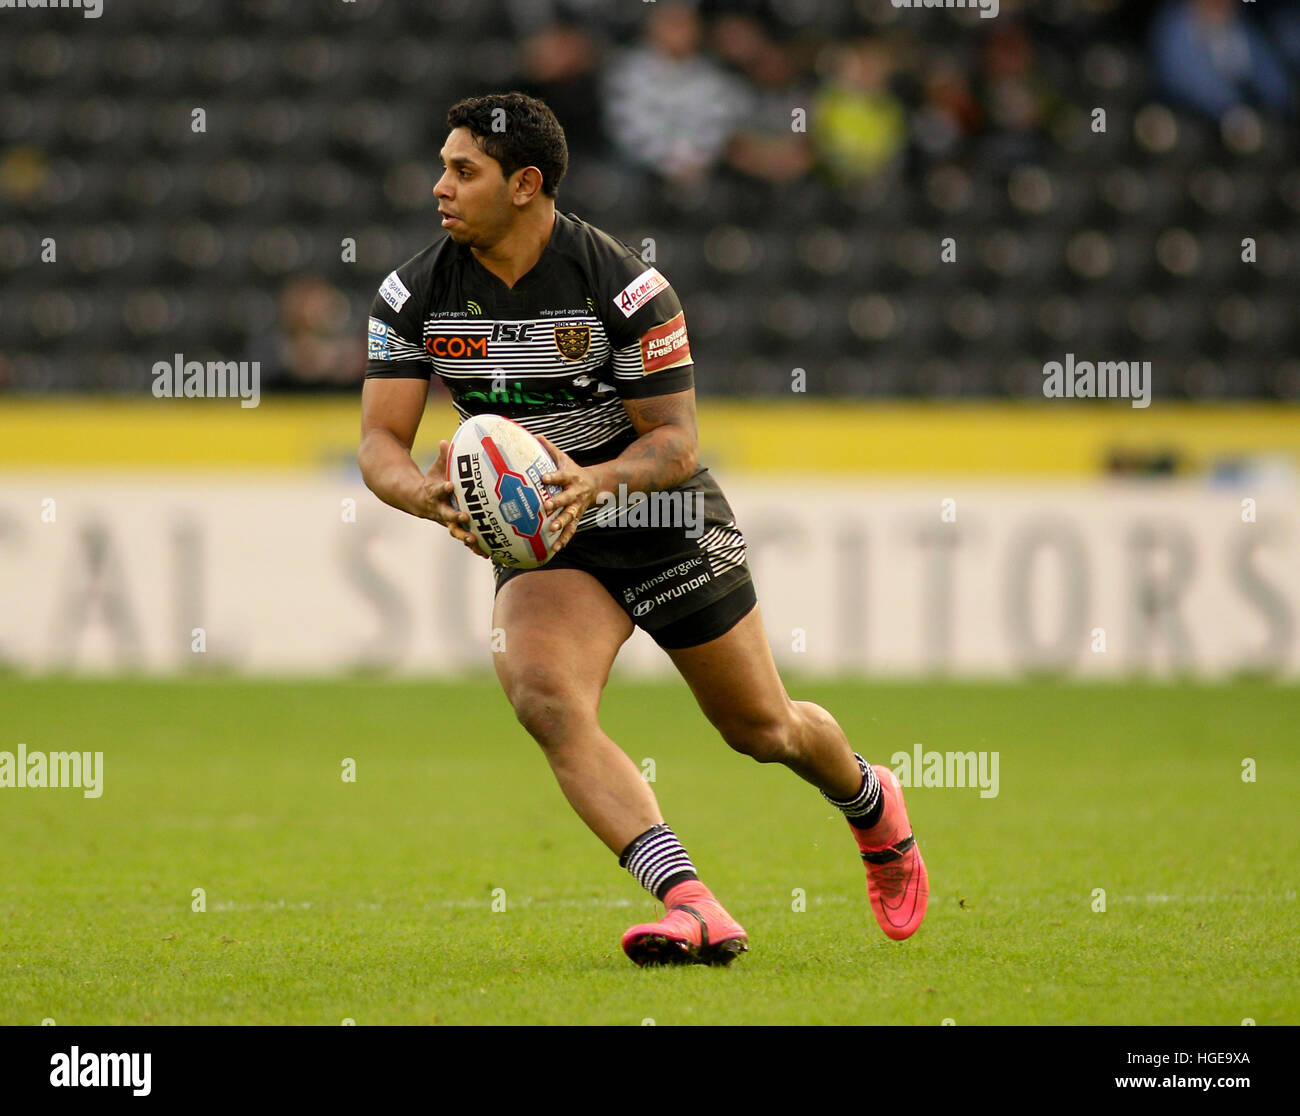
579	493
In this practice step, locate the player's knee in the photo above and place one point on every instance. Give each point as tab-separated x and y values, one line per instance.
546	708
764	739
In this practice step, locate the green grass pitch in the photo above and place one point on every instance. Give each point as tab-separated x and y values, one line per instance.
374	900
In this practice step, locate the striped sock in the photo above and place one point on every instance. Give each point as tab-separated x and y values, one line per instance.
658	861
864	809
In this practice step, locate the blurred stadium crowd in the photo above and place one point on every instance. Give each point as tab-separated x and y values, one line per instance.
792	164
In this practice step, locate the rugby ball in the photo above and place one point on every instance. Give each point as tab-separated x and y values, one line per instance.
495	468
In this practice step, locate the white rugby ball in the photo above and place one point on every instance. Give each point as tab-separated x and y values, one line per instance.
495	467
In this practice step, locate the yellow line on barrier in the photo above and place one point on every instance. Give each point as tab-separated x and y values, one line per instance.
990	438
1003	439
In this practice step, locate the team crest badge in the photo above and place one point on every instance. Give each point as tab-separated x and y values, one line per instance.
573	341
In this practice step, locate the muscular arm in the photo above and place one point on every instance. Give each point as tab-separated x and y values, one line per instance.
663	456
666	450
390	416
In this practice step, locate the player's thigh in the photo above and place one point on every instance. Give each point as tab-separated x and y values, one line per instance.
735	680
559	633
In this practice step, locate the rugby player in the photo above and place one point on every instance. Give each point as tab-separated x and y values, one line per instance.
527	312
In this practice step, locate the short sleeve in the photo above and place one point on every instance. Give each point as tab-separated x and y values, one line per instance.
647	330
396	326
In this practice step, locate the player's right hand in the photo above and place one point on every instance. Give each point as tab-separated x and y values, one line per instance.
438	505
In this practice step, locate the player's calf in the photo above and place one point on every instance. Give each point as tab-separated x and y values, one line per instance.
765	738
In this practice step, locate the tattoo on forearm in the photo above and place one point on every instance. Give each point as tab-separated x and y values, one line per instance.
658	410
664	453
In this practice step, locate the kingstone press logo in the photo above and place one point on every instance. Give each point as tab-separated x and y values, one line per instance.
37	770
217	379
652	509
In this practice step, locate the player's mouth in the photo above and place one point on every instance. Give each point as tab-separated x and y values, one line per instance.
447	218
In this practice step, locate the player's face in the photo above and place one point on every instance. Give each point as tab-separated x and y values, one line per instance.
473	196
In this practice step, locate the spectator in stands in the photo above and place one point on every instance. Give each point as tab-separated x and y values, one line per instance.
949	112
315	343
738	38
668	108
1016	98
767	146
560	64
1211	59
858	125
1282	23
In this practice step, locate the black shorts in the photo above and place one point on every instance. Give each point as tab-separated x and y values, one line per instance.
682	576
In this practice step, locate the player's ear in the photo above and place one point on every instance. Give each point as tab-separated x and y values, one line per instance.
526	184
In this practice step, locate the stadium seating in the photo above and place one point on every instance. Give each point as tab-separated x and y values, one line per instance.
323	121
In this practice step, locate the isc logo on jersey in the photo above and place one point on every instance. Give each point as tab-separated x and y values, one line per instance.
496	468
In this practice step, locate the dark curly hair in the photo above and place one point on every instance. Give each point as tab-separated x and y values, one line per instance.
525	134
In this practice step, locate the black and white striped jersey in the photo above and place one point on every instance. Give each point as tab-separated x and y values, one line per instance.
590	325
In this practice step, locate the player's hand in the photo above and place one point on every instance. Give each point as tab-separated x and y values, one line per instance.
438	506
579	493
